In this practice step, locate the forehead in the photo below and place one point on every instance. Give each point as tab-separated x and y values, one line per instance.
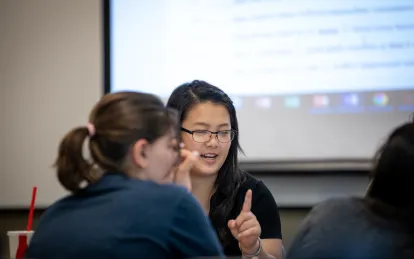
207	113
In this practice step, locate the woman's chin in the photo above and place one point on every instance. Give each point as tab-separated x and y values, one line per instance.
205	169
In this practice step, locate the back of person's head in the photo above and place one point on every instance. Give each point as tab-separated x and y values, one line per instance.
393	172
185	98
123	129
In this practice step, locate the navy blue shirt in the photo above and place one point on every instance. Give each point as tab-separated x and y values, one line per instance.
119	217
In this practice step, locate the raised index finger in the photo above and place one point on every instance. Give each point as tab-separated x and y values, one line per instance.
247	205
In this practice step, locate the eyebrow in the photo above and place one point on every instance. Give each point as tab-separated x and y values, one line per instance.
207	125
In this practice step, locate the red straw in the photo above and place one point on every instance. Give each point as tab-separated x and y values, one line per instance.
30	220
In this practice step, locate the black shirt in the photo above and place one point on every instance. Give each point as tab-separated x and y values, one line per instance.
119	217
352	228
264	208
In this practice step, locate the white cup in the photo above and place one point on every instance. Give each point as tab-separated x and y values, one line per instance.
14	240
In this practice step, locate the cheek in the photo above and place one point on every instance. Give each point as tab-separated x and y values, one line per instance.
189	143
168	159
226	147
164	164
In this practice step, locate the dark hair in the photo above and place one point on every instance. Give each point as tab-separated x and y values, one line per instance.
393	171
230	177
119	119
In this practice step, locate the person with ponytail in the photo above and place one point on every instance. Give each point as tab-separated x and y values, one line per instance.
123	202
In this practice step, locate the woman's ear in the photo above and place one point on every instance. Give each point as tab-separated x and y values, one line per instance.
140	153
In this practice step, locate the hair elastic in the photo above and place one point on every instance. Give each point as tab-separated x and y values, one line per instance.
91	129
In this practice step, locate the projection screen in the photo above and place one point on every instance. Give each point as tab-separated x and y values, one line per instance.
311	80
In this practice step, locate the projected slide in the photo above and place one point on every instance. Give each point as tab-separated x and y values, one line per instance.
311	79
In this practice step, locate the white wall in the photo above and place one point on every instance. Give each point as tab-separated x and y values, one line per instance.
50	76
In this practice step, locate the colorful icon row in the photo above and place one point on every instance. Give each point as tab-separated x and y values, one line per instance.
320	101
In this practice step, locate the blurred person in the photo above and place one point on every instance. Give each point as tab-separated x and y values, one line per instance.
380	225
130	210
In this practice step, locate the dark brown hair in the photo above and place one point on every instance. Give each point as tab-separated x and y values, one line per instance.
120	119
393	172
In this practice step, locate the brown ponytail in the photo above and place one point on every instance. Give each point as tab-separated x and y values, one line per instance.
119	120
72	168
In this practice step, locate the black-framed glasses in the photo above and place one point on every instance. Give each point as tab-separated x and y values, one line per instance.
203	136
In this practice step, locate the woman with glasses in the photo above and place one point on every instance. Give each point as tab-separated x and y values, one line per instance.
241	208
